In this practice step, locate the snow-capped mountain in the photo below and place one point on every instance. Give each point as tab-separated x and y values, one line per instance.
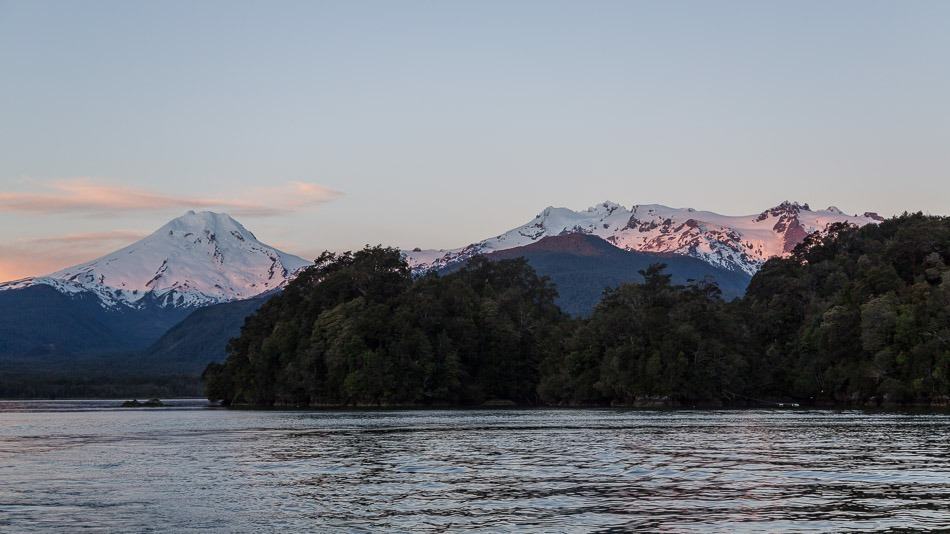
738	243
204	258
197	259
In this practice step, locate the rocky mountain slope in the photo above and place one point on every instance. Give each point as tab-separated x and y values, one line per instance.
737	243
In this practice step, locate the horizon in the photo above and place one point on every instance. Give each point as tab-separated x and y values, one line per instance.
133	237
332	125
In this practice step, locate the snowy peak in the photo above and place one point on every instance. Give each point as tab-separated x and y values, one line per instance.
207	222
197	259
739	243
785	209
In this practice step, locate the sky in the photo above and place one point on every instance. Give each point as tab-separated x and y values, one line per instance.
330	125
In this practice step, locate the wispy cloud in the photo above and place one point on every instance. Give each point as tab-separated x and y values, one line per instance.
90	197
30	257
89	237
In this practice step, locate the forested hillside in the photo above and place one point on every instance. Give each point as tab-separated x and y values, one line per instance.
357	329
857	316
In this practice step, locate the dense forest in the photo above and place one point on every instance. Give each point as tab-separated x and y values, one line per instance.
852	316
357	329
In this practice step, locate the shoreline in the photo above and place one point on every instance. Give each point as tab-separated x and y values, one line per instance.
171	402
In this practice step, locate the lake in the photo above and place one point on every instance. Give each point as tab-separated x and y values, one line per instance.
90	465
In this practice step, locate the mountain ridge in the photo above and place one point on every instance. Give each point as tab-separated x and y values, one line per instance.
738	243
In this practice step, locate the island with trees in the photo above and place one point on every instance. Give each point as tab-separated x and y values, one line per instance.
853	316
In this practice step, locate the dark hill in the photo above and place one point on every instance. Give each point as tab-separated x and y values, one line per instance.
582	266
38	322
202	337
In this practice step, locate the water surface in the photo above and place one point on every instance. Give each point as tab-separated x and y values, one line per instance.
88	464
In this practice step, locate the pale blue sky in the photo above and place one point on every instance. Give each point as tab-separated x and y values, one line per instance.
442	123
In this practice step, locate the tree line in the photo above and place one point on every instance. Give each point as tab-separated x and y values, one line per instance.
856	316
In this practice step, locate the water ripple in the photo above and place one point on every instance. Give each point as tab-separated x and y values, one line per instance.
186	469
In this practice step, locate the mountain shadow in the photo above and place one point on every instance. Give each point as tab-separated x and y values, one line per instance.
582	266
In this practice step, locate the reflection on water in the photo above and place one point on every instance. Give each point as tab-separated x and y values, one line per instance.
184	468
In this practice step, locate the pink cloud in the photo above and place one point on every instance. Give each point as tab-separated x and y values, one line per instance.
86	196
31	257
